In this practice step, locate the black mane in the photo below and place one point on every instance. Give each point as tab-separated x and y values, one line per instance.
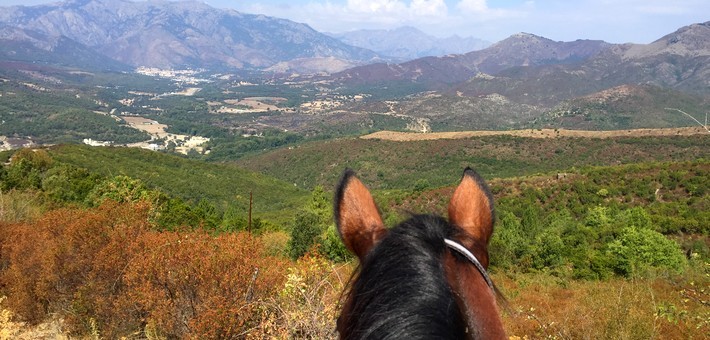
401	291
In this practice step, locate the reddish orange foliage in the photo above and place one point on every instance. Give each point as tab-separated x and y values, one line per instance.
107	265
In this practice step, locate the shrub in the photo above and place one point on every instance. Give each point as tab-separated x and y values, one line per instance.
16	206
332	246
637	250
105	271
307	305
199	286
120	189
275	243
67	251
306	230
310	223
66	183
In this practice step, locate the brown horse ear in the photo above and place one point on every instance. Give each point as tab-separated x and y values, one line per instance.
356	215
471	207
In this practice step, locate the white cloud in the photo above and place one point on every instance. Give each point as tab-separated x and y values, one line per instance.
397	10
376	6
429	8
473	6
478	10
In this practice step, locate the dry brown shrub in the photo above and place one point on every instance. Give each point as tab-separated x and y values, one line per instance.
308	304
50	263
196	285
106	272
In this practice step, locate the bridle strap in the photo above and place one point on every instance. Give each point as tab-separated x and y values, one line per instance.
468	255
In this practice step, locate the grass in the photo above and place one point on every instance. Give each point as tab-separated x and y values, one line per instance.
661	306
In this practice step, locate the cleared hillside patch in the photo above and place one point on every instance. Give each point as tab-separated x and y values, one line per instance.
535	133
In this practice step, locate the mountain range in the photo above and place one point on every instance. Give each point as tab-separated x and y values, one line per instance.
122	34
407	43
169	34
521	49
522	80
536	70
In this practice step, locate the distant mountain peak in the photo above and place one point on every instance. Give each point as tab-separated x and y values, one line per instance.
407	43
525	35
692	40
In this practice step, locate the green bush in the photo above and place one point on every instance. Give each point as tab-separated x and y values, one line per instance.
638	249
310	223
67	183
306	230
332	247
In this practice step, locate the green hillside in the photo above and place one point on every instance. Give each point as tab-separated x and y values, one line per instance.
222	185
406	165
57	115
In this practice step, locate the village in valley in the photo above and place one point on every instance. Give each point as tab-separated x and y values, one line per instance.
232	102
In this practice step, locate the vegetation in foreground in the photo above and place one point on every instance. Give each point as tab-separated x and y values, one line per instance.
599	251
106	273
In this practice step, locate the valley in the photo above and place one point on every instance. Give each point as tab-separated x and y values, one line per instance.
167	170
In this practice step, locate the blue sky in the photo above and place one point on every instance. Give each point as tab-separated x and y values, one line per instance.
616	21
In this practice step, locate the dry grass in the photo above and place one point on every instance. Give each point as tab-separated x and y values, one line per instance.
534	133
12	329
653	308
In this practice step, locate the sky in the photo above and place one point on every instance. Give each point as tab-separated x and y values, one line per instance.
615	21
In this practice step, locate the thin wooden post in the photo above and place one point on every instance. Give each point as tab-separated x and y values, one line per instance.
251	200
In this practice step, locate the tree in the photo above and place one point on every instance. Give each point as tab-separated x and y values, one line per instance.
176	213
121	189
306	229
27	167
233	220
310	223
66	183
208	214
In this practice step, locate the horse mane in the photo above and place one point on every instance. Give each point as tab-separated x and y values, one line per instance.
401	291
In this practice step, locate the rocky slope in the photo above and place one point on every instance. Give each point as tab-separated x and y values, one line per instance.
177	34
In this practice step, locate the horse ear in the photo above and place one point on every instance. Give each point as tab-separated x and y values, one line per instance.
359	223
471	207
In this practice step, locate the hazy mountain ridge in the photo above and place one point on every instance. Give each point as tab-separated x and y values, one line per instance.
680	60
407	43
523	62
173	34
32	46
518	50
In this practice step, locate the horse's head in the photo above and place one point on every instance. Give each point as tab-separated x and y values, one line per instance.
424	278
